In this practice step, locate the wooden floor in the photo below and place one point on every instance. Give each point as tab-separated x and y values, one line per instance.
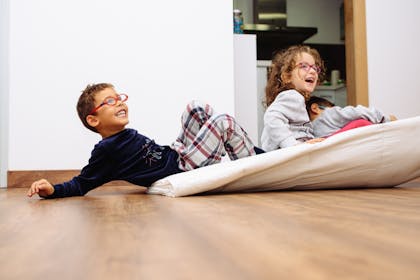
121	233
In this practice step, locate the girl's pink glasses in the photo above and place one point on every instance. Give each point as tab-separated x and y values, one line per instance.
111	101
306	67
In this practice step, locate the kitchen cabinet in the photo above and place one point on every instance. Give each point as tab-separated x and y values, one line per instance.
335	94
245	82
263	67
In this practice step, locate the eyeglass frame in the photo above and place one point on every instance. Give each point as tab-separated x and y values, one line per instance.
303	65
115	98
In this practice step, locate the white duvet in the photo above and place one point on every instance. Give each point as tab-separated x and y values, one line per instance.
380	155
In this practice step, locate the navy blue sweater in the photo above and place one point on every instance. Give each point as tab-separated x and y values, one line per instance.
127	156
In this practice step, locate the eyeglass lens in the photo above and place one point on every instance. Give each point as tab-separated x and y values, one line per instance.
113	100
306	67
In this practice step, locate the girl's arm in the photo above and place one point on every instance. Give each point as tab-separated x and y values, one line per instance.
286	113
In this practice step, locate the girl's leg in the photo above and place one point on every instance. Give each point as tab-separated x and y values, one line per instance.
205	138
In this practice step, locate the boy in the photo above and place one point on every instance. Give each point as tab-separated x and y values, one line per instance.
124	154
328	119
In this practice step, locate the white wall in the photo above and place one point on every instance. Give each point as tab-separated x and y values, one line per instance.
161	53
4	90
323	14
393	40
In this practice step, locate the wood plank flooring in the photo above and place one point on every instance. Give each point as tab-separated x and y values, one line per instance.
119	232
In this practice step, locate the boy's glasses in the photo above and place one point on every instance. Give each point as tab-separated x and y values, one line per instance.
306	67
111	101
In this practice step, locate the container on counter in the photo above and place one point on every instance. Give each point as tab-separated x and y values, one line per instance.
238	22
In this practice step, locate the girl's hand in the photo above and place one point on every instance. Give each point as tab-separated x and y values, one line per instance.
42	187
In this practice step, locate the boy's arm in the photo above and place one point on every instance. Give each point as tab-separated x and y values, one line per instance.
336	117
42	187
95	174
371	114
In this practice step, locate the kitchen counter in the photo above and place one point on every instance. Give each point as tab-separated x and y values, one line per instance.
336	94
330	87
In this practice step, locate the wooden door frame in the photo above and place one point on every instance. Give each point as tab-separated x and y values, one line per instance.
356	52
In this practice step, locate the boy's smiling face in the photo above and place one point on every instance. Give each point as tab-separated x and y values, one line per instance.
108	119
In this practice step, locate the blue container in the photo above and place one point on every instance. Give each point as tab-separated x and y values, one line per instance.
238	22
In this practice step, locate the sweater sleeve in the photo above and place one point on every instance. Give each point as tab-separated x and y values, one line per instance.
96	173
342	116
287	110
335	118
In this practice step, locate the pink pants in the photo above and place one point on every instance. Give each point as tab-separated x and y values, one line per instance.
352	125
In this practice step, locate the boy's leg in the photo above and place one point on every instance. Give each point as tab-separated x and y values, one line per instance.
235	139
204	138
192	119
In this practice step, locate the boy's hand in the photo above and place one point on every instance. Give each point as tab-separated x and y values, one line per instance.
392	118
315	140
42	187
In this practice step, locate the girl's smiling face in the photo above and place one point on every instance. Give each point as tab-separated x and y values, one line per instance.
304	76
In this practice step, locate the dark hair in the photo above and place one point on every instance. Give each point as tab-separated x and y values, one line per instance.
317	100
86	101
283	63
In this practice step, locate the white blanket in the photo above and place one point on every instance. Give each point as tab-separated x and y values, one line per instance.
380	155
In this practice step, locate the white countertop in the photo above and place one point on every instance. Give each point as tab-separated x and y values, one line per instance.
263	63
322	87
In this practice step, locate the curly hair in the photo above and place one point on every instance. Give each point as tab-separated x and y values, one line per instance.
283	63
86	101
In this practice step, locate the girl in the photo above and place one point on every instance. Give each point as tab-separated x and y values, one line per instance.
295	73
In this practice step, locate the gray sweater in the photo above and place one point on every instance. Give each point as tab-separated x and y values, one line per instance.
334	118
286	122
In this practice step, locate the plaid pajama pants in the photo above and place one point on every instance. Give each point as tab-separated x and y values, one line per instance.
205	137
